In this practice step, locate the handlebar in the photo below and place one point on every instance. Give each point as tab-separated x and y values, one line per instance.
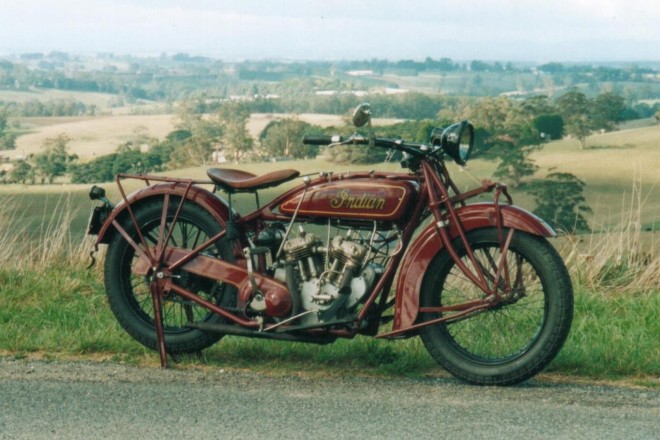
414	149
322	139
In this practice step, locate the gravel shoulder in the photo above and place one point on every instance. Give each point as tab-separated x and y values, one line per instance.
71	400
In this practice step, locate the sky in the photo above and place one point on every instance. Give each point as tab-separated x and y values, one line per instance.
489	30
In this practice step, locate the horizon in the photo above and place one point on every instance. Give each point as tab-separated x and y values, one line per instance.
215	57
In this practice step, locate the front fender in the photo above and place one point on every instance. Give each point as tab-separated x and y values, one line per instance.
428	244
208	201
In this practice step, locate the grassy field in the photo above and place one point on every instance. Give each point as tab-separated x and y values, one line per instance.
616	166
60	311
619	168
90	136
103	101
611	165
50	306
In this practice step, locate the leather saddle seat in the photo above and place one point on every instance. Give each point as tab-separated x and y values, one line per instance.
239	181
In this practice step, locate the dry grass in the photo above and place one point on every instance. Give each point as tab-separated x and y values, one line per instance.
50	303
92	137
51	245
623	257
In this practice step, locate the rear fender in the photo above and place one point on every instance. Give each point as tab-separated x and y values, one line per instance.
207	201
428	244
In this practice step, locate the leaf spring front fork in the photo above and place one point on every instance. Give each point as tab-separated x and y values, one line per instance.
478	275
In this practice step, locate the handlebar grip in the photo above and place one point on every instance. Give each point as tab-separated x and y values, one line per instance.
321	139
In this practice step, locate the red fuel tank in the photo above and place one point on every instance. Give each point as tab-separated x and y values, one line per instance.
361	198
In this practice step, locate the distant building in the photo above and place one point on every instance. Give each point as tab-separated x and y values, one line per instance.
360	72
340	92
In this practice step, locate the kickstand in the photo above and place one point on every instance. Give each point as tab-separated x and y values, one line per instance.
158	319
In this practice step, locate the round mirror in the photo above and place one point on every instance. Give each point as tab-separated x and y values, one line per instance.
362	115
457	141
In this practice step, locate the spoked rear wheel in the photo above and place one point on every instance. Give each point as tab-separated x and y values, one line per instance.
129	293
518	337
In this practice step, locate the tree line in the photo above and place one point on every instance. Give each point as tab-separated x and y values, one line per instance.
181	76
508	131
55	107
7	137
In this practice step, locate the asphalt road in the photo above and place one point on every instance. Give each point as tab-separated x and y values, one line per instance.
78	400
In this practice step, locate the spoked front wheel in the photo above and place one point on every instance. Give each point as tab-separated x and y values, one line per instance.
518	337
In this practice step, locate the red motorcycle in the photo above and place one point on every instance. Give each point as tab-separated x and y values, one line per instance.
489	296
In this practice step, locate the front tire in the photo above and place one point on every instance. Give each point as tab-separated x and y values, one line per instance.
515	339
129	295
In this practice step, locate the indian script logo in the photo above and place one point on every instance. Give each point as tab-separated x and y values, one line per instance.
344	199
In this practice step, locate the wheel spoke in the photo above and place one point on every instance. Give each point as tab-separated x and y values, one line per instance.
176	312
521	332
505	330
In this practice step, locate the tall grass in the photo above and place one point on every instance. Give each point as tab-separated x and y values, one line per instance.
616	273
621	258
31	243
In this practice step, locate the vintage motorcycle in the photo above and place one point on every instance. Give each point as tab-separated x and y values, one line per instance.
480	283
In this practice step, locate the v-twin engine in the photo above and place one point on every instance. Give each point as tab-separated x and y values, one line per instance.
330	279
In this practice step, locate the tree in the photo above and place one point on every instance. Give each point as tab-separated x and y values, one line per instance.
195	137
284	138
479	66
22	172
560	202
3	121
551	68
127	159
515	162
537	105
233	118
550	126
490	114
8	141
506	132
607	110
580	127
53	161
234	111
237	140
575	109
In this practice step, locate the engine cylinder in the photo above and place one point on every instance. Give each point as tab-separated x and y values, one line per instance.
300	247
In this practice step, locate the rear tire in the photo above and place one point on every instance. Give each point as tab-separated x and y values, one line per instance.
514	340
129	294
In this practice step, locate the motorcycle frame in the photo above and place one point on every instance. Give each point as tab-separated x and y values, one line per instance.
433	199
